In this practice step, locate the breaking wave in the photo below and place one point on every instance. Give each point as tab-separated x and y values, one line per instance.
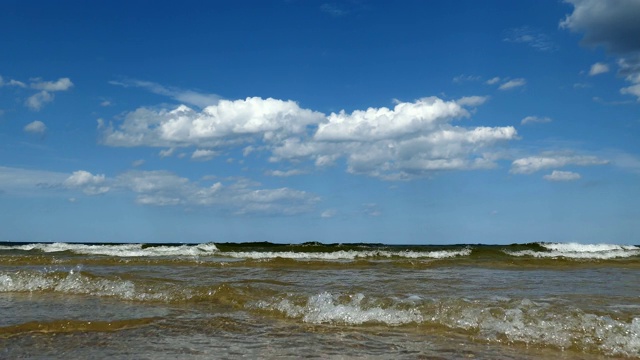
501	321
580	251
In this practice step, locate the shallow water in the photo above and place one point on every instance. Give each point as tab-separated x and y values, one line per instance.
260	300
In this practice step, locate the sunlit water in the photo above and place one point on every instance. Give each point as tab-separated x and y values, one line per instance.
552	301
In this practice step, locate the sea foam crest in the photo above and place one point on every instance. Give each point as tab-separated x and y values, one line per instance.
330	308
75	282
347	254
580	251
532	322
120	250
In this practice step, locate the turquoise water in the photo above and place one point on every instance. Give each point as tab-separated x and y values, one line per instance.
262	300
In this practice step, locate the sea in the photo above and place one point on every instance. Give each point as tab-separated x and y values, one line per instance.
319	301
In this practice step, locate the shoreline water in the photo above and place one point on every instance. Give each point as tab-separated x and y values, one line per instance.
542	300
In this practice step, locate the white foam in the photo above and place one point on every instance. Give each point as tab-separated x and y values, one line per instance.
74	282
121	250
328	308
530	322
580	251
347	254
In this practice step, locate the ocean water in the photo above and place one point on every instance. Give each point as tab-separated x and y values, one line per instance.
343	301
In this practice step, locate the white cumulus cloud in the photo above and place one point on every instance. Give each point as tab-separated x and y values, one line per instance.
406	141
227	122
383	123
90	184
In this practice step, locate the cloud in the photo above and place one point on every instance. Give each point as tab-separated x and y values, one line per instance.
630	69
598	68
531	37
28	182
89	184
163	188
36	127
558	175
138	163
513	84
240	196
581	86
383	123
63	84
190	97
493	80
612	24
533	164
203	154
166	153
12	83
371	209
333	10
631	90
280	173
466	78
228	122
36	102
535	119
328	213
409	140
615	26
472	100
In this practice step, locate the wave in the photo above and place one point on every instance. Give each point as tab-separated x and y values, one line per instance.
120	250
348	254
499	320
543	322
579	251
328	252
327	308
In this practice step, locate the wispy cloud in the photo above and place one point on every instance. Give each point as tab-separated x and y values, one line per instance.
514	83
12	83
280	173
466	78
333	9
557	175
598	68
535	119
493	80
531	37
532	164
190	97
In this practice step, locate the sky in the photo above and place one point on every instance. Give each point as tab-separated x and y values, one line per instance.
405	122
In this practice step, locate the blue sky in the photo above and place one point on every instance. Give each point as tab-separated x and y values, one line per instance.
427	122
